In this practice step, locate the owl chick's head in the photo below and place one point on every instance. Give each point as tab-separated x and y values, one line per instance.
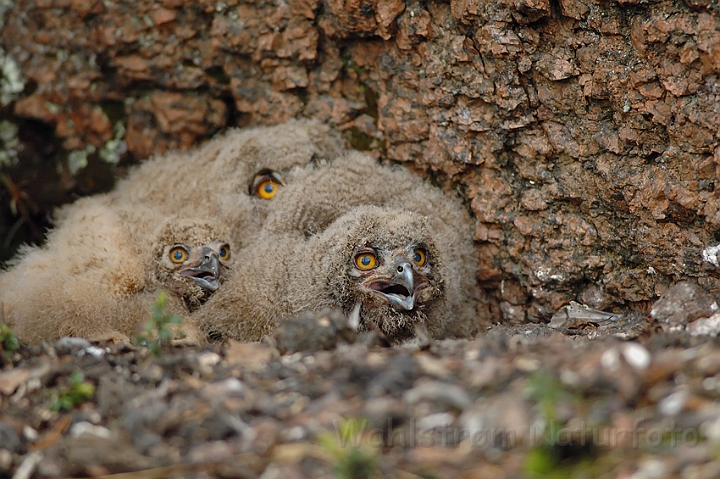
191	257
385	262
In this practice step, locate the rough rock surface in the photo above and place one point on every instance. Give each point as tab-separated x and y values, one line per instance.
683	303
582	134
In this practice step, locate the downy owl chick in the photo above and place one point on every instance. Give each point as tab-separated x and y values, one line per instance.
89	280
380	265
327	191
230	177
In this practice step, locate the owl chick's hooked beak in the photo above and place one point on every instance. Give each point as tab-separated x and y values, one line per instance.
205	270
402	288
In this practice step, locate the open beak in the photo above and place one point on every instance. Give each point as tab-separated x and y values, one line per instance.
207	273
401	290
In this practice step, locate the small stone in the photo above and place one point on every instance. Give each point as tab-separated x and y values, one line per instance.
5	460
11	380
636	356
705	326
30	434
435	421
314	332
673	404
610	359
231	387
71	345
710	255
84	427
208	359
683	303
448	394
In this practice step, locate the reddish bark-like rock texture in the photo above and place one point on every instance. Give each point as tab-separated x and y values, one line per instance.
582	134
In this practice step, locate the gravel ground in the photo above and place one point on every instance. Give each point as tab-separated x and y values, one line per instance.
521	401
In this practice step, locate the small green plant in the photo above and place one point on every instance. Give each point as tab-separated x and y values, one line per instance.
9	342
157	329
355	457
77	392
558	454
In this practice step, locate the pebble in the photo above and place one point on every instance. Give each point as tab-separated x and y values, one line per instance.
84	427
673	404
449	394
636	356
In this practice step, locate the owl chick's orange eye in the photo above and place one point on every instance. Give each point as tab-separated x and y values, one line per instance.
178	254
365	261
224	252
267	189
419	257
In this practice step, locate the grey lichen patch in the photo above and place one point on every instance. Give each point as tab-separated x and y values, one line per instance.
12	82
10	143
115	148
78	159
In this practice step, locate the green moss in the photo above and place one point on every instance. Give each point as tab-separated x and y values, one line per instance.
115	148
78	159
360	141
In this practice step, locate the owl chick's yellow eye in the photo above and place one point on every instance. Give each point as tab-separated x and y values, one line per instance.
419	257
365	261
224	252
178	254
267	189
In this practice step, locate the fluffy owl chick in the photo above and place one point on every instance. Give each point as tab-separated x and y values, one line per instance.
189	260
231	177
327	191
191	257
378	264
69	286
383	261
88	280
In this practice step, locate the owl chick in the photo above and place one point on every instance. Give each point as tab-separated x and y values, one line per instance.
191	257
326	191
380	265
89	280
230	177
188	259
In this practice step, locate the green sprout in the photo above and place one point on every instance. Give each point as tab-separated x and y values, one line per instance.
9	342
75	394
350	445
556	455
157	330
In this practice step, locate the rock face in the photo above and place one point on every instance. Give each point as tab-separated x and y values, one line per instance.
584	134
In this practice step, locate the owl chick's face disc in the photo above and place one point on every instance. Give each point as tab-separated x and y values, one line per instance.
397	277
200	264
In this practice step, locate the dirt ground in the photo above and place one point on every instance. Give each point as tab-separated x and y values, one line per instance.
581	134
557	400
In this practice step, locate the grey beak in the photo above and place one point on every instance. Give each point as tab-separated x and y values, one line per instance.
207	274
405	278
